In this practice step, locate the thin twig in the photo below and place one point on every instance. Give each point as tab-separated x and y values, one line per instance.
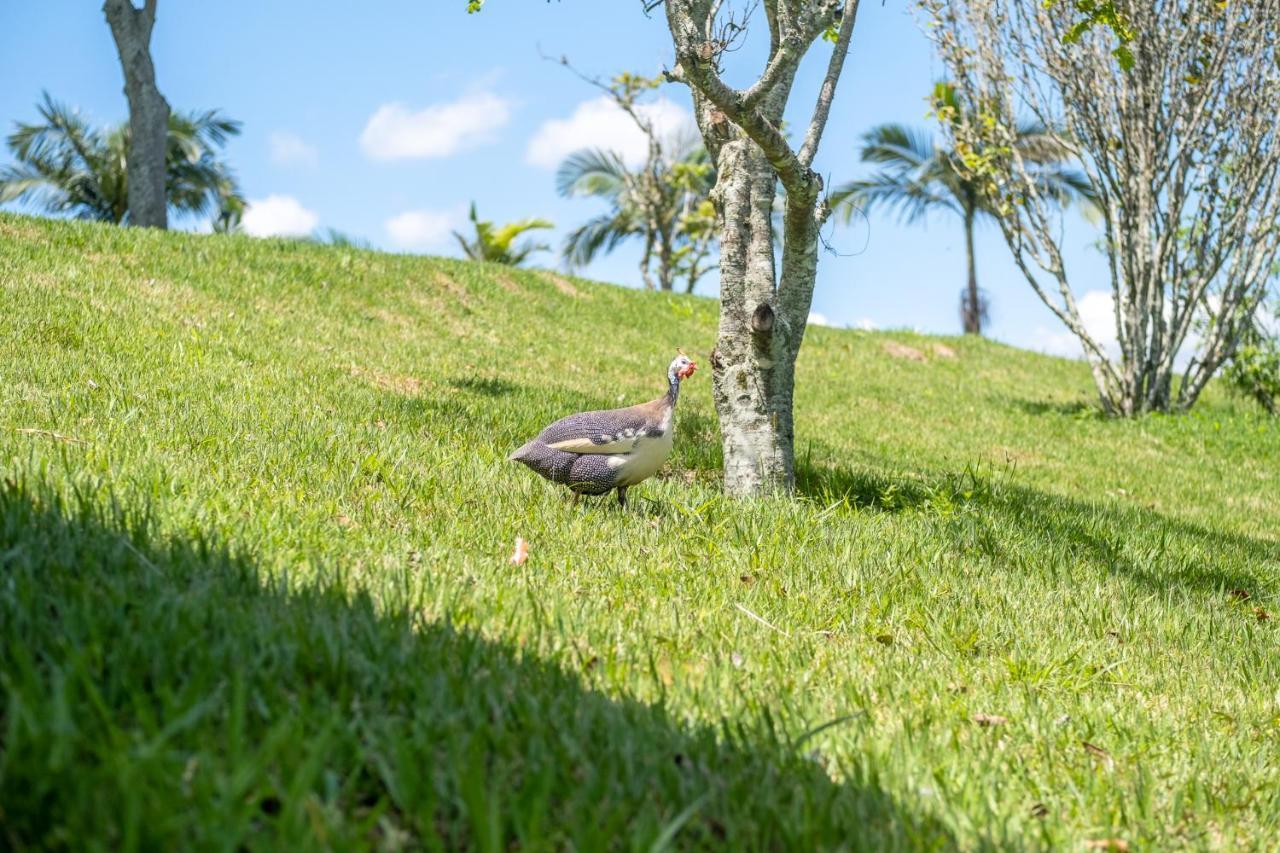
762	620
51	434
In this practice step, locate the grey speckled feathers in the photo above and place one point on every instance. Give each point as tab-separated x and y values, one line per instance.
594	452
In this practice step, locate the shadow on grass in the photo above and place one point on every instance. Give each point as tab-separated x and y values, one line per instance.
991	514
1000	519
1082	409
165	693
512	414
488	386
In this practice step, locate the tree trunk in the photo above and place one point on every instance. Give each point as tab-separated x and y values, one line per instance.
148	112
973	310
646	258
753	366
666	269
762	318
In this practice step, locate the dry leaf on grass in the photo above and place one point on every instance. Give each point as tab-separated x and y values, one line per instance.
1239	595
1039	810
990	719
521	552
1098	753
1263	616
1118	844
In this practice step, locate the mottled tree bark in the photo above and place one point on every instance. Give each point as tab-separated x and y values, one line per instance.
763	311
148	112
751	368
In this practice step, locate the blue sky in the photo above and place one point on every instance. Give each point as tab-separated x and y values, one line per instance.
385	120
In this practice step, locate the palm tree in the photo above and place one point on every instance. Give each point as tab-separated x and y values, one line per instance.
663	204
68	167
497	244
918	176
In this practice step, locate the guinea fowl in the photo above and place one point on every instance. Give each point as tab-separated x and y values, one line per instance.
595	452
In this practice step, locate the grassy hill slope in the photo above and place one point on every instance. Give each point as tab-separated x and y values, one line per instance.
255	515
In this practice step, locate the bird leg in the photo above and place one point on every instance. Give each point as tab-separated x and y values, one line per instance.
622	496
577	496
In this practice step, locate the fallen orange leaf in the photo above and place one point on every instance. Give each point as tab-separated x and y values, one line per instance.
521	553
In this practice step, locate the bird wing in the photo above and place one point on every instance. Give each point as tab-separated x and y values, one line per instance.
609	431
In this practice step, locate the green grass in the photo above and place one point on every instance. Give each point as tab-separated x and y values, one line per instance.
255	514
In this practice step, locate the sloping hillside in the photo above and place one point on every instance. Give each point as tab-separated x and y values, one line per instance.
254	528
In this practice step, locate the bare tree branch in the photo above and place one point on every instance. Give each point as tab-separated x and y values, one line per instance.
828	91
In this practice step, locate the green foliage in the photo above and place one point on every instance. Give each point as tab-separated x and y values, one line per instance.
918	175
497	244
628	86
675	189
66	166
1254	369
255	521
1104	13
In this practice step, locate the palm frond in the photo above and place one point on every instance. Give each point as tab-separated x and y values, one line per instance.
25	183
84	171
517	256
905	197
506	235
592	172
1039	144
897	145
601	233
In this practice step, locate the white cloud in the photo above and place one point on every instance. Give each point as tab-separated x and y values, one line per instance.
866	324
395	132
817	319
1097	314
289	149
419	229
600	123
278	215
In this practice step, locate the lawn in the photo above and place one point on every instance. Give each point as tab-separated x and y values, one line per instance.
255	521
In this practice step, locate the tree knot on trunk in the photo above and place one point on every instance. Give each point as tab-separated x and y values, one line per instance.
762	319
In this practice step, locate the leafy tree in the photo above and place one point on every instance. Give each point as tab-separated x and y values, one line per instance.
1254	369
66	166
498	243
764	304
1178	138
664	204
918	176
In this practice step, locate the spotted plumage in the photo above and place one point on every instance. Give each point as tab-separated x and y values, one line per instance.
595	452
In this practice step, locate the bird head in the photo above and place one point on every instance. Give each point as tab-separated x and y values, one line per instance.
682	367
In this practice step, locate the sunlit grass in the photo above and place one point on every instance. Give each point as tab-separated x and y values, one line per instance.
254	584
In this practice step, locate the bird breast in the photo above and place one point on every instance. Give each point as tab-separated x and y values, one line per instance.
644	460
